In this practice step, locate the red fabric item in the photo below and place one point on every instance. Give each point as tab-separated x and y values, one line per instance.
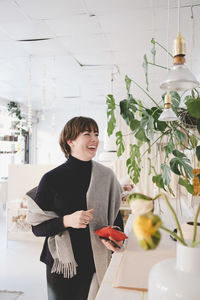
109	232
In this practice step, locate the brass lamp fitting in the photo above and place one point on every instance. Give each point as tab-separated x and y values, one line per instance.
168	101
179	45
179	50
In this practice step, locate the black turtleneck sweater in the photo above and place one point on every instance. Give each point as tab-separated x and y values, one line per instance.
63	190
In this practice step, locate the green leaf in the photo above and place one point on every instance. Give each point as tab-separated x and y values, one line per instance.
184	182
149	159
193	106
193	141
180	136
158	125
169	147
119	143
157	179
198	152
141	136
178	153
127	109
110	101
134	125
133	163
180	165
198	125
153	51
128	84
147	123
165	173
145	66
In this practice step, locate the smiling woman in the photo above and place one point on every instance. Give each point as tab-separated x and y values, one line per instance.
71	202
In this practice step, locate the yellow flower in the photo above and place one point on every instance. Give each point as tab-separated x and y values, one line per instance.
146	230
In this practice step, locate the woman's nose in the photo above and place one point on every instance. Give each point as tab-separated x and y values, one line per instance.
94	137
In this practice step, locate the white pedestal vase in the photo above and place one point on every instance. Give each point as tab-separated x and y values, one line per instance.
178	278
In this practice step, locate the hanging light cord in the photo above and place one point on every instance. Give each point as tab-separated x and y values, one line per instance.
168	36
178	16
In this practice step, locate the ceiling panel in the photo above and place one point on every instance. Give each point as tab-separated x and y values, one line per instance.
86	42
3	36
121	5
78	24
26	30
9	11
127	23
95	58
44	48
11	49
51	9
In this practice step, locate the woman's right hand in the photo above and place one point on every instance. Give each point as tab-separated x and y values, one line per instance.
78	219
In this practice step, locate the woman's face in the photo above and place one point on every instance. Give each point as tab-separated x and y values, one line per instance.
84	147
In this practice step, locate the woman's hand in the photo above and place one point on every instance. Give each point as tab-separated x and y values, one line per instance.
79	219
110	246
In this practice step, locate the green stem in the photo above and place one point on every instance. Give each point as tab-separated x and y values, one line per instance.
153	144
146	93
195	244
195	224
164	49
159	66
174	235
174	214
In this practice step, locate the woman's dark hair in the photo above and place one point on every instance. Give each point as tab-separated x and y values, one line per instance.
73	128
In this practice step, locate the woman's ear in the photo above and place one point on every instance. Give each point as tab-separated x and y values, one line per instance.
70	142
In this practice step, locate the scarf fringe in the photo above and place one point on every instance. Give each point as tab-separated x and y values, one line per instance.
67	269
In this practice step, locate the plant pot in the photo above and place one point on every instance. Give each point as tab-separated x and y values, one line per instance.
178	278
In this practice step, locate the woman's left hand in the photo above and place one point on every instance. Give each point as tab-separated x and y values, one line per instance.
110	246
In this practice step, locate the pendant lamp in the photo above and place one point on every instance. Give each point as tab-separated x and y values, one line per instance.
168	115
179	77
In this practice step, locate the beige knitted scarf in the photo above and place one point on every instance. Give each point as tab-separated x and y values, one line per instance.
59	245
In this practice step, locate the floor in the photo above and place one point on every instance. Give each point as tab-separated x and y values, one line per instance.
20	268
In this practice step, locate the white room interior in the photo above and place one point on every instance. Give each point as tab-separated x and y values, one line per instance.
60	59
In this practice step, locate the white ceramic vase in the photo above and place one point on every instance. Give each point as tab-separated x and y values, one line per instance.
178	278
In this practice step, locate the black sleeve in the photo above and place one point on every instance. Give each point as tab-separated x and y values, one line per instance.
119	221
45	200
49	228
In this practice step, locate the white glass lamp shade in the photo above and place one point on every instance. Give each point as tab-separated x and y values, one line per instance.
168	115
179	78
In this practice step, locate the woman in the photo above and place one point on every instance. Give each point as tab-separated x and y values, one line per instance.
71	202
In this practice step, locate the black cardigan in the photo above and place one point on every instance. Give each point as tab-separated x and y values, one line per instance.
63	190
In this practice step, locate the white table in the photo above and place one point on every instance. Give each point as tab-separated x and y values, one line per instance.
107	291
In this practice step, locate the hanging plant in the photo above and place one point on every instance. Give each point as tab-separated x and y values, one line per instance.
15	111
145	126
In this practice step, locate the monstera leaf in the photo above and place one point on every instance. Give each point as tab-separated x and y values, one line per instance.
180	165
110	101
193	106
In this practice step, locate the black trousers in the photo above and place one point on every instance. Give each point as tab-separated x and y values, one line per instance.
75	288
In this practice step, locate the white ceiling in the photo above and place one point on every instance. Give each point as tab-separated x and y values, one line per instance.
86	40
